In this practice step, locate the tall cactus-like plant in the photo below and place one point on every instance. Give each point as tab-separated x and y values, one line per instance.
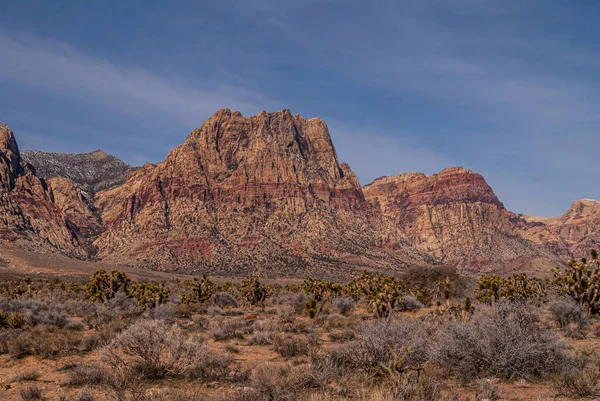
311	308
198	290
28	282
580	280
104	286
151	294
322	291
517	287
254	292
382	292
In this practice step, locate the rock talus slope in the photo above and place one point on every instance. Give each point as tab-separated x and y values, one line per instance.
92	172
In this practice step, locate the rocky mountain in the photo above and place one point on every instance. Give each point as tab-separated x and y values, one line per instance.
32	209
265	191
268	193
92	172
571	235
454	217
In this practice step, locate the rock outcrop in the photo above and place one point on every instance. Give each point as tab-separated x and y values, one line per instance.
455	218
571	235
265	191
28	208
92	172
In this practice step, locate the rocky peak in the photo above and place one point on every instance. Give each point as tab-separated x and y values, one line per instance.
92	172
268	185
413	190
454	216
28	205
7	140
582	208
10	158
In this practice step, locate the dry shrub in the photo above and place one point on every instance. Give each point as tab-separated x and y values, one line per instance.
289	346
571	317
296	301
566	311
298	327
227	328
224	300
278	382
344	305
335	321
486	389
502	341
30	393
120	308
410	387
164	312
213	311
411	304
31	375
217	367
84	395
39	311
342	336
286	314
84	375
261	338
7	336
378	340
45	342
154	348
578	381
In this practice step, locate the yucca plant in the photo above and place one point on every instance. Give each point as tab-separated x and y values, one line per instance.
198	290
580	280
104	286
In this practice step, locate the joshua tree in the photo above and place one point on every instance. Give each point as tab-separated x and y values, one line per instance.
322	291
580	280
103	286
199	290
151	294
254	292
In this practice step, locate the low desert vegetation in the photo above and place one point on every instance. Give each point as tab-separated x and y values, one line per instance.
425	335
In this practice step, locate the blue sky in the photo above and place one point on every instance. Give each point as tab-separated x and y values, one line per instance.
510	89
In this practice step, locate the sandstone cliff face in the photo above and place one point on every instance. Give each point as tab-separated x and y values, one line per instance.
571	235
92	172
454	217
27	204
266	190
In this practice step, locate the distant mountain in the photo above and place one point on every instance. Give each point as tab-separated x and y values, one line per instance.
268	193
571	235
92	172
455	218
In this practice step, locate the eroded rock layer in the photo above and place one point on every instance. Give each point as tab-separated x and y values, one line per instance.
268	193
454	217
28	208
263	191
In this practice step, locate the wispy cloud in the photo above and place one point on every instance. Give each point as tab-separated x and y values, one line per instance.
509	89
128	89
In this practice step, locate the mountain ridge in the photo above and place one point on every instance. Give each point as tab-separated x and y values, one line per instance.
268	192
91	171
